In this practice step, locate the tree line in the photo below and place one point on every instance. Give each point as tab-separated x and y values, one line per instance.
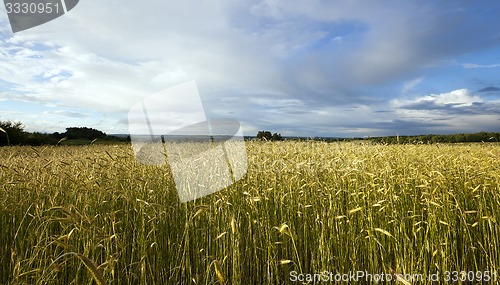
13	133
452	138
267	136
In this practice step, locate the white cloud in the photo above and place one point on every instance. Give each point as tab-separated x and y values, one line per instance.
460	97
455	98
289	56
66	113
454	111
473	65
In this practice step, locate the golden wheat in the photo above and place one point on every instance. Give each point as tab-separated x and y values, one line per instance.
303	206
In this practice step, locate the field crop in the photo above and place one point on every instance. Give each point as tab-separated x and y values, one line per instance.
91	214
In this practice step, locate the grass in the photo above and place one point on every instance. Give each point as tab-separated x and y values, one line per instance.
83	214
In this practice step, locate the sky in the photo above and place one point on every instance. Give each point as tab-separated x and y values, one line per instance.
300	68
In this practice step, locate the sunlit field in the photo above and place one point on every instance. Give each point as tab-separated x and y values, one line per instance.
91	214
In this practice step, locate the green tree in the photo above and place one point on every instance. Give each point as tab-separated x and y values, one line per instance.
268	136
276	137
11	133
264	135
40	139
84	133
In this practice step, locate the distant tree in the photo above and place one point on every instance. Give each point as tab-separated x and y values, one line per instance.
57	136
264	135
40	139
268	136
84	133
11	133
276	137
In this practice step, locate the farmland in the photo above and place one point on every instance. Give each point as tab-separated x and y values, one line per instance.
83	214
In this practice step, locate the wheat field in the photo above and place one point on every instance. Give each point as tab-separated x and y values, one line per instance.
92	215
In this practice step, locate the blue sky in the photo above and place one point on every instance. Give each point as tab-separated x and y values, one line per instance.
308	68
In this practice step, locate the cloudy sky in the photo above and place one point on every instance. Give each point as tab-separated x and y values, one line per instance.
307	68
